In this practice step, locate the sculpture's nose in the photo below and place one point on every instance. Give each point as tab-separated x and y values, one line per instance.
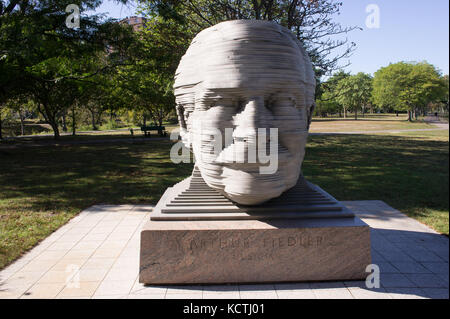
253	116
253	113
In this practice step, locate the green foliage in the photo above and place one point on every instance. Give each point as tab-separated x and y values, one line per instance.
145	85
312	22
354	91
110	125
327	93
408	86
43	58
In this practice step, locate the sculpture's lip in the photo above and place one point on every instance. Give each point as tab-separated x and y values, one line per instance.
252	168
230	158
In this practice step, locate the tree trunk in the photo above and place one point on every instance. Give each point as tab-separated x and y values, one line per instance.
257	9
409	116
94	126
54	125
363	110
64	126
74	124
161	116
356	113
50	117
22	124
345	113
1	136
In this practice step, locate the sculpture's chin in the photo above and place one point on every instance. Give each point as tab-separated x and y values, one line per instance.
245	186
253	191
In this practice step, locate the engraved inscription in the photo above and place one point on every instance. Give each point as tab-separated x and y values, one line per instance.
293	241
283	242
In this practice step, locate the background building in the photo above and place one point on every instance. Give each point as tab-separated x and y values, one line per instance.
137	23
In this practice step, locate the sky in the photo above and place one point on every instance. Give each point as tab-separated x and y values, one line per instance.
408	30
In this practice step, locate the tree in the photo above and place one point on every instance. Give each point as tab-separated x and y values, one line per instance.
5	116
326	94
44	58
442	102
408	86
355	92
145	84
310	20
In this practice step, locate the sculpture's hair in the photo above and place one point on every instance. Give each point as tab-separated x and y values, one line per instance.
245	54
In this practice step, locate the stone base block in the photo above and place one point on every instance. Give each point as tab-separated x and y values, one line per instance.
254	251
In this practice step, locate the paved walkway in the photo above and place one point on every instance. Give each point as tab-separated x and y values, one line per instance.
96	255
439	125
437	122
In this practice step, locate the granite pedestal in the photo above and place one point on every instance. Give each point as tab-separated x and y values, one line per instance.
187	252
252	246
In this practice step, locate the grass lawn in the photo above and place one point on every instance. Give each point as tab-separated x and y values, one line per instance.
368	123
410	173
86	136
41	188
436	135
40	130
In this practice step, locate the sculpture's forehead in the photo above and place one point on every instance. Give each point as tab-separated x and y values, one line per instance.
244	54
242	57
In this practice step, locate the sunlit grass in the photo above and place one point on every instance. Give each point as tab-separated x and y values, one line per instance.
408	173
368	123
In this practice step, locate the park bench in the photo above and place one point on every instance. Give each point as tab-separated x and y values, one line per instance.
160	129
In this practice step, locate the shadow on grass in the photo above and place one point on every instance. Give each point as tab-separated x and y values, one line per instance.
407	173
410	174
121	136
80	176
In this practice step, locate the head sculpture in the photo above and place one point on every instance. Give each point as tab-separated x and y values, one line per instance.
242	76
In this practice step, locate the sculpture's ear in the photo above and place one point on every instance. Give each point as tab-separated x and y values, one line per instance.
183	115
180	114
310	112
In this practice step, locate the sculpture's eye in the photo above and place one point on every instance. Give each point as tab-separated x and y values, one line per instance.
239	105
269	102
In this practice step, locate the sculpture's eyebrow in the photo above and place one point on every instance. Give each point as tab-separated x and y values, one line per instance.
217	97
